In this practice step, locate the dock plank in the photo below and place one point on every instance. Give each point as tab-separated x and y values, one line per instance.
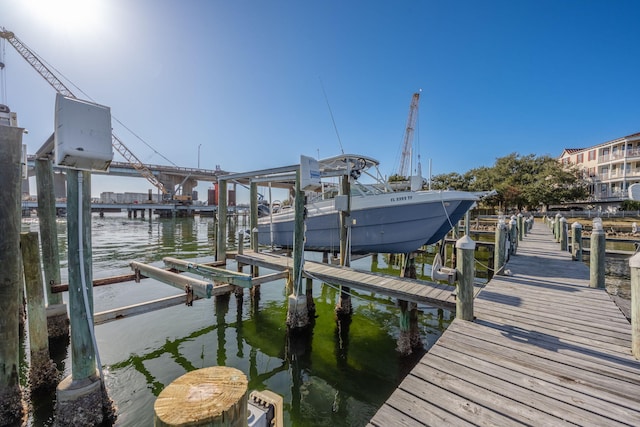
412	290
544	349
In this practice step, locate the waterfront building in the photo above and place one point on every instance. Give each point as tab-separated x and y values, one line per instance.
610	167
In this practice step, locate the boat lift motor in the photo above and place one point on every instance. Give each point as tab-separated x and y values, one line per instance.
265	409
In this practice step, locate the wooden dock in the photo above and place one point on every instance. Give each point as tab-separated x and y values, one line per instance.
412	290
545	349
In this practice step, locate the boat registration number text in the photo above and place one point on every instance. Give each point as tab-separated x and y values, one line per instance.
401	198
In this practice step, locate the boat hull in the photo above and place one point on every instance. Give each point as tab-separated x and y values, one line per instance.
389	223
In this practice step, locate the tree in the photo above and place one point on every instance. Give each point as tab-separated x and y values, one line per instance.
521	181
452	180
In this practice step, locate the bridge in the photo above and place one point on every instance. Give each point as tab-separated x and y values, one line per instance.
169	176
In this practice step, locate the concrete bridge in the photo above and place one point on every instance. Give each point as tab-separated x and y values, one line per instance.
170	176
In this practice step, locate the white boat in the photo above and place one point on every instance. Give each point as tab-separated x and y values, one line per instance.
380	221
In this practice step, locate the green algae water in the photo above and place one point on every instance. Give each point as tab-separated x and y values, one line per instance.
338	374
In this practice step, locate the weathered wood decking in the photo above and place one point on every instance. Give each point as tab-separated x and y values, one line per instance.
545	349
421	292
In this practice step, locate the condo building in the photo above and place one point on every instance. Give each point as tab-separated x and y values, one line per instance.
610	167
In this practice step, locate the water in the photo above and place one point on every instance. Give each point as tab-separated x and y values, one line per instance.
339	375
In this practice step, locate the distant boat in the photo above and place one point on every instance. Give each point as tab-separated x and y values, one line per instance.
381	220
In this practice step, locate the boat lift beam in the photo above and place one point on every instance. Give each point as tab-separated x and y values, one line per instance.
221	275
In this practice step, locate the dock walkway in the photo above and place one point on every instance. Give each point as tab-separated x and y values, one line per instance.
412	290
544	349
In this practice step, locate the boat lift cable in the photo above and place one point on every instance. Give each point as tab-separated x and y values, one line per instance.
445	212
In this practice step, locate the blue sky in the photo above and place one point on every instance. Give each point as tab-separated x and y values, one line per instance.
243	78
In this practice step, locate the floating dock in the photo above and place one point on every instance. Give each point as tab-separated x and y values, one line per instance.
411	290
544	349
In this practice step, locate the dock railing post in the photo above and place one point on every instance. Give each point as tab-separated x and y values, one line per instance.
597	256
500	244
513	234
520	220
556	228
634	264
564	244
465	247
576	241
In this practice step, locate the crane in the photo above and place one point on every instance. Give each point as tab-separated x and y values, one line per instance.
405	160
60	87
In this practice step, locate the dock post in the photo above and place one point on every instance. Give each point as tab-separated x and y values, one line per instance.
214	396
513	234
576	241
43	375
520	220
634	264
556	228
12	408
221	241
409	337
564	244
500	247
311	305
82	395
297	315
57	317
597	256
253	224
465	266
344	307
240	242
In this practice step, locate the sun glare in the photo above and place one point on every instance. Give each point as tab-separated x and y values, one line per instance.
70	15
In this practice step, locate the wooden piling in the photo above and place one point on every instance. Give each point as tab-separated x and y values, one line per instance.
221	241
297	316
253	224
43	375
520	220
634	264
564	245
513	236
344	307
465	247
214	396
576	241
500	247
597	256
57	318
12	408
